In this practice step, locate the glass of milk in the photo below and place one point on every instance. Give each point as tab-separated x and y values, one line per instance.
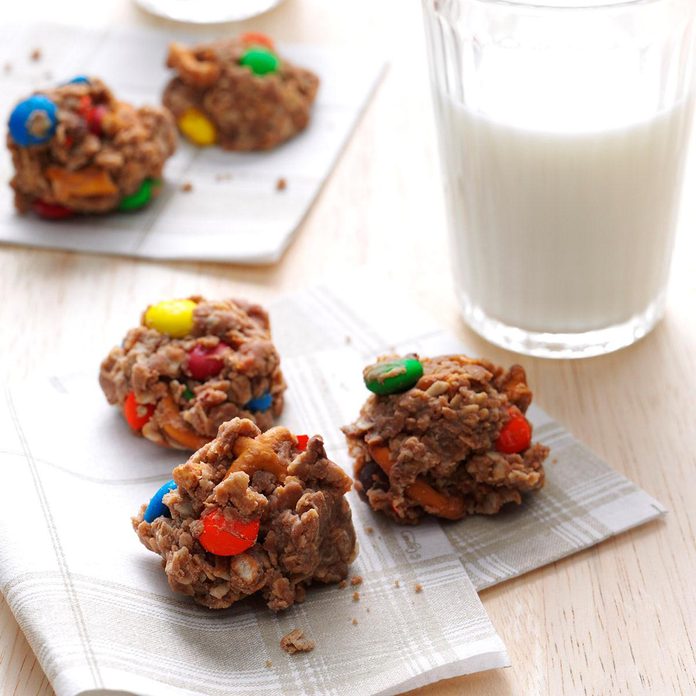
563	128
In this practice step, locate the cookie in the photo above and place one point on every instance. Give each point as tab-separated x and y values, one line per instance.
445	436
238	93
191	365
252	513
76	149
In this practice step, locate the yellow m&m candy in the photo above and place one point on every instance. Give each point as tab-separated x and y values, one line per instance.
197	127
171	317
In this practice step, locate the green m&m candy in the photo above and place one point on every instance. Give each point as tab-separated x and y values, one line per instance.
260	60
394	376
141	197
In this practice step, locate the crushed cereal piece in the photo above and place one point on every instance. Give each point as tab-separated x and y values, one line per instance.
418	588
356	596
397	583
354	622
35	55
269	664
356	580
281	184
295	642
342	585
7	68
369	530
187	187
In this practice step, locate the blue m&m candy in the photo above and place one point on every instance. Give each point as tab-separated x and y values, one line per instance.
260	403
33	121
156	508
78	80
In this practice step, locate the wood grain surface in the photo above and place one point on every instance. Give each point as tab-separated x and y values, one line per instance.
617	619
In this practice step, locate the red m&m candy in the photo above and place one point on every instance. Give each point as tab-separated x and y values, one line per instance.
204	363
52	211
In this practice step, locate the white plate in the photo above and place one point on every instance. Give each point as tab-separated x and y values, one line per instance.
207	11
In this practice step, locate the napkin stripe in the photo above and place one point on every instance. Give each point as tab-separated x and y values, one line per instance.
57	547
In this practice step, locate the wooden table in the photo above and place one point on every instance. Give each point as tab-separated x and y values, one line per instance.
616	619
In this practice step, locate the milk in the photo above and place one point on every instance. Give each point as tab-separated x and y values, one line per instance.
562	226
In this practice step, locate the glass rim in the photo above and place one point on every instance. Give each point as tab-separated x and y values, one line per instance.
574	5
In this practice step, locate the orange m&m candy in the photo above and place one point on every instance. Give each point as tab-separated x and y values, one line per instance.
137	414
253	38
227	537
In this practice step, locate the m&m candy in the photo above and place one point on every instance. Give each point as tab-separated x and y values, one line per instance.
171	317
197	127
393	376
79	80
516	435
260	60
203	363
52	211
255	38
156	507
226	536
260	403
141	197
137	415
33	121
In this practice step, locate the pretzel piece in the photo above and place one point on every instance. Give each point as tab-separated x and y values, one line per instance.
253	454
175	429
450	507
191	69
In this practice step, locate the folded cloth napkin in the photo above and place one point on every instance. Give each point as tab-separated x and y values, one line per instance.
99	614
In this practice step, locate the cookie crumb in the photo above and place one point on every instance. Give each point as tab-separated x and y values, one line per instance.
35	55
418	588
397	583
342	585
269	664
187	186
296	641
281	184
354	622
356	596
356	580
369	530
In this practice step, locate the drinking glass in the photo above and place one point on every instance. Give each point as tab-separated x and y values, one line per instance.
563	129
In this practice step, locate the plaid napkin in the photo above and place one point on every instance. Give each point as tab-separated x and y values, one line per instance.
95	605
